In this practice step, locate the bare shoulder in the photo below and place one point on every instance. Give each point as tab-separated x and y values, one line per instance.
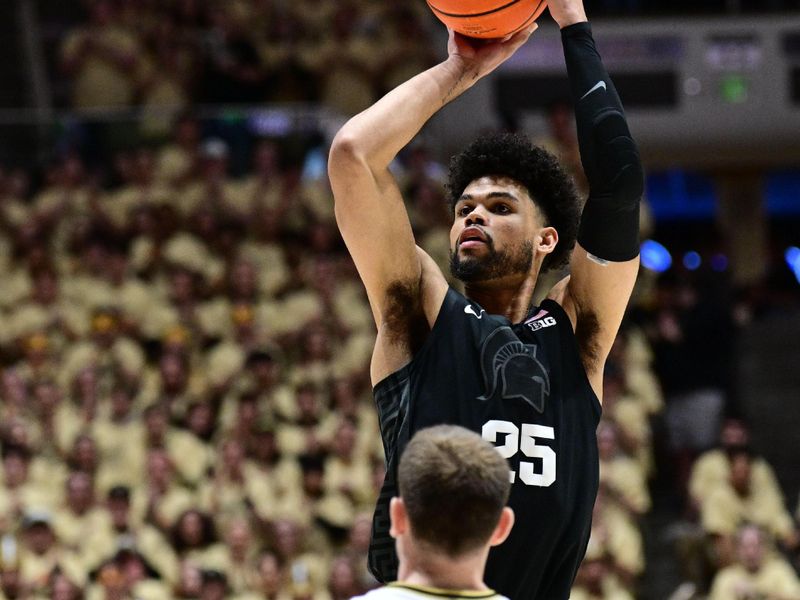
411	309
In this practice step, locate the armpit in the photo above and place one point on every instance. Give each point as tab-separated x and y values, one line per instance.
404	320
587	333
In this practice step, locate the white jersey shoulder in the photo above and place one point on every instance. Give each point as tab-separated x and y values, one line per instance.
399	591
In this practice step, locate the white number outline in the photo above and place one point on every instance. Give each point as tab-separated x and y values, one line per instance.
524	442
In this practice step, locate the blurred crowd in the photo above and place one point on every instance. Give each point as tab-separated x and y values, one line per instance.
170	54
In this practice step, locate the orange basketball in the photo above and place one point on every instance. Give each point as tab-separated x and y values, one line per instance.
487	18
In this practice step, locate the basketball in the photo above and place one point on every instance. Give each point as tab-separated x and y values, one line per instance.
487	18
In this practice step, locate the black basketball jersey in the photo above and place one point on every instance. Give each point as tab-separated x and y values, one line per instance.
523	387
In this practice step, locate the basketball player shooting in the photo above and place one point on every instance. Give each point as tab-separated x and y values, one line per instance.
527	378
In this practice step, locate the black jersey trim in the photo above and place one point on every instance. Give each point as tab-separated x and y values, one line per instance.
440	593
597	406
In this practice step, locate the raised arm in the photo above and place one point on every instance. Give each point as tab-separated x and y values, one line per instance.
369	208
606	260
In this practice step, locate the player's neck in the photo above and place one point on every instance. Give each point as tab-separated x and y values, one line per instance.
446	575
511	299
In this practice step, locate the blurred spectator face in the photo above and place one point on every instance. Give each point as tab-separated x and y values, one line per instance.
113	582
39	538
734	435
307	405
200	420
360	533
190	582
317	347
72	172
740	474
233	456
344	396
239	537
314	481
342	582
191	529
205	223
247	412
174	374
133	568
125	167
47	396
269	571
265	448
10	583
751	548
62	588
16	433
182	286
45	287
266	372
17	184
591	576
345	441
84	454
144	166
15	469
287	538
243	279
155	422
121	404
80	492
119	510
86	388
560	121
159	468
215	587
607	441
14	390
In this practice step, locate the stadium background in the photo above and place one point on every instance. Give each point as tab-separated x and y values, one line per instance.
184	342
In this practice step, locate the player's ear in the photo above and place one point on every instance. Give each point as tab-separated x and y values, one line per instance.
398	517
546	240
503	527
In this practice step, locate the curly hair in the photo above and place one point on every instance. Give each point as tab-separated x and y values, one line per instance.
538	171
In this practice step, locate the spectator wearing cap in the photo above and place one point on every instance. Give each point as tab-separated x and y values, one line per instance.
40	552
214	586
757	572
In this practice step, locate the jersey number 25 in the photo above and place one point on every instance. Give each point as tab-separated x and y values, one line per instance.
524	441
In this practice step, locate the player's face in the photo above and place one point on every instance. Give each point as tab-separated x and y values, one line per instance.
491	238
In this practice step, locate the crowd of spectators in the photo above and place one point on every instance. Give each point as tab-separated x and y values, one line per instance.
168	55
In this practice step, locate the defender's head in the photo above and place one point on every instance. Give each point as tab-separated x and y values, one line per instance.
515	210
454	487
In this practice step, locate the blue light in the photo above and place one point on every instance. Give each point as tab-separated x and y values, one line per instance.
719	262
793	260
692	260
655	257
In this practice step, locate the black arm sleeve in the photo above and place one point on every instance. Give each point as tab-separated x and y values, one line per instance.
609	226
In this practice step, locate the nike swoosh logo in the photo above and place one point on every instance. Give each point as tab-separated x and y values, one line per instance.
471	311
600	85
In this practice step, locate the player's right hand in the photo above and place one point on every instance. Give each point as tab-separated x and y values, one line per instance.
479	57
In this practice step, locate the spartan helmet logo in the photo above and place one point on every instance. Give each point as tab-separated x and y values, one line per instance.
511	370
